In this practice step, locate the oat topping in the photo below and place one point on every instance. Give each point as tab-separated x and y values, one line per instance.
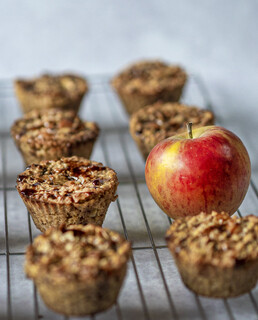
63	85
149	76
160	121
68	180
49	128
216	239
77	251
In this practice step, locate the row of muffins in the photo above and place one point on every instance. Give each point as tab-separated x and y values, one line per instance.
139	85
149	91
153	125
77	266
51	134
47	133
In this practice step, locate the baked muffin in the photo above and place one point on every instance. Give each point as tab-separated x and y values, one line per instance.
52	134
63	92
146	82
217	255
70	190
159	121
78	270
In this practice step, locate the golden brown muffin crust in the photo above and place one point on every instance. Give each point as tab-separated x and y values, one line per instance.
156	122
66	85
162	120
149	77
77	252
45	129
68	180
216	239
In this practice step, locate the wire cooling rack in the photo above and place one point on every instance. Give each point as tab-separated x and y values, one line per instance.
153	288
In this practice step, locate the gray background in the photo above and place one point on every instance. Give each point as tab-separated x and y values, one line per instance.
217	39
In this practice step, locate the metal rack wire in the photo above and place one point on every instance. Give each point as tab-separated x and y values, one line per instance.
116	149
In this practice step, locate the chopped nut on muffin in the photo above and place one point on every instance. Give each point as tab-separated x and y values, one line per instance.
146	82
70	190
159	121
217	255
63	92
78	270
52	134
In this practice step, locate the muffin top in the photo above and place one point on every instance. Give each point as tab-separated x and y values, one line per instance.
149	77
68	180
77	252
215	239
162	120
44	129
66	85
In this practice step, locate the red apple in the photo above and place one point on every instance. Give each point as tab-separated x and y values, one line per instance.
208	171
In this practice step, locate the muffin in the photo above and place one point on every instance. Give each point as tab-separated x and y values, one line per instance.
146	82
159	121
78	270
217	255
52	134
70	190
63	92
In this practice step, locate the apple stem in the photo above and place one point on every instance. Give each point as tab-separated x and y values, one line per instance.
189	129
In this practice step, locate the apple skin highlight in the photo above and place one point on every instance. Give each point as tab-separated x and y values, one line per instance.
209	172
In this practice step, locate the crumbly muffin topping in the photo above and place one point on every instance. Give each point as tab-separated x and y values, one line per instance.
149	76
68	180
160	121
56	85
44	129
215	239
77	251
